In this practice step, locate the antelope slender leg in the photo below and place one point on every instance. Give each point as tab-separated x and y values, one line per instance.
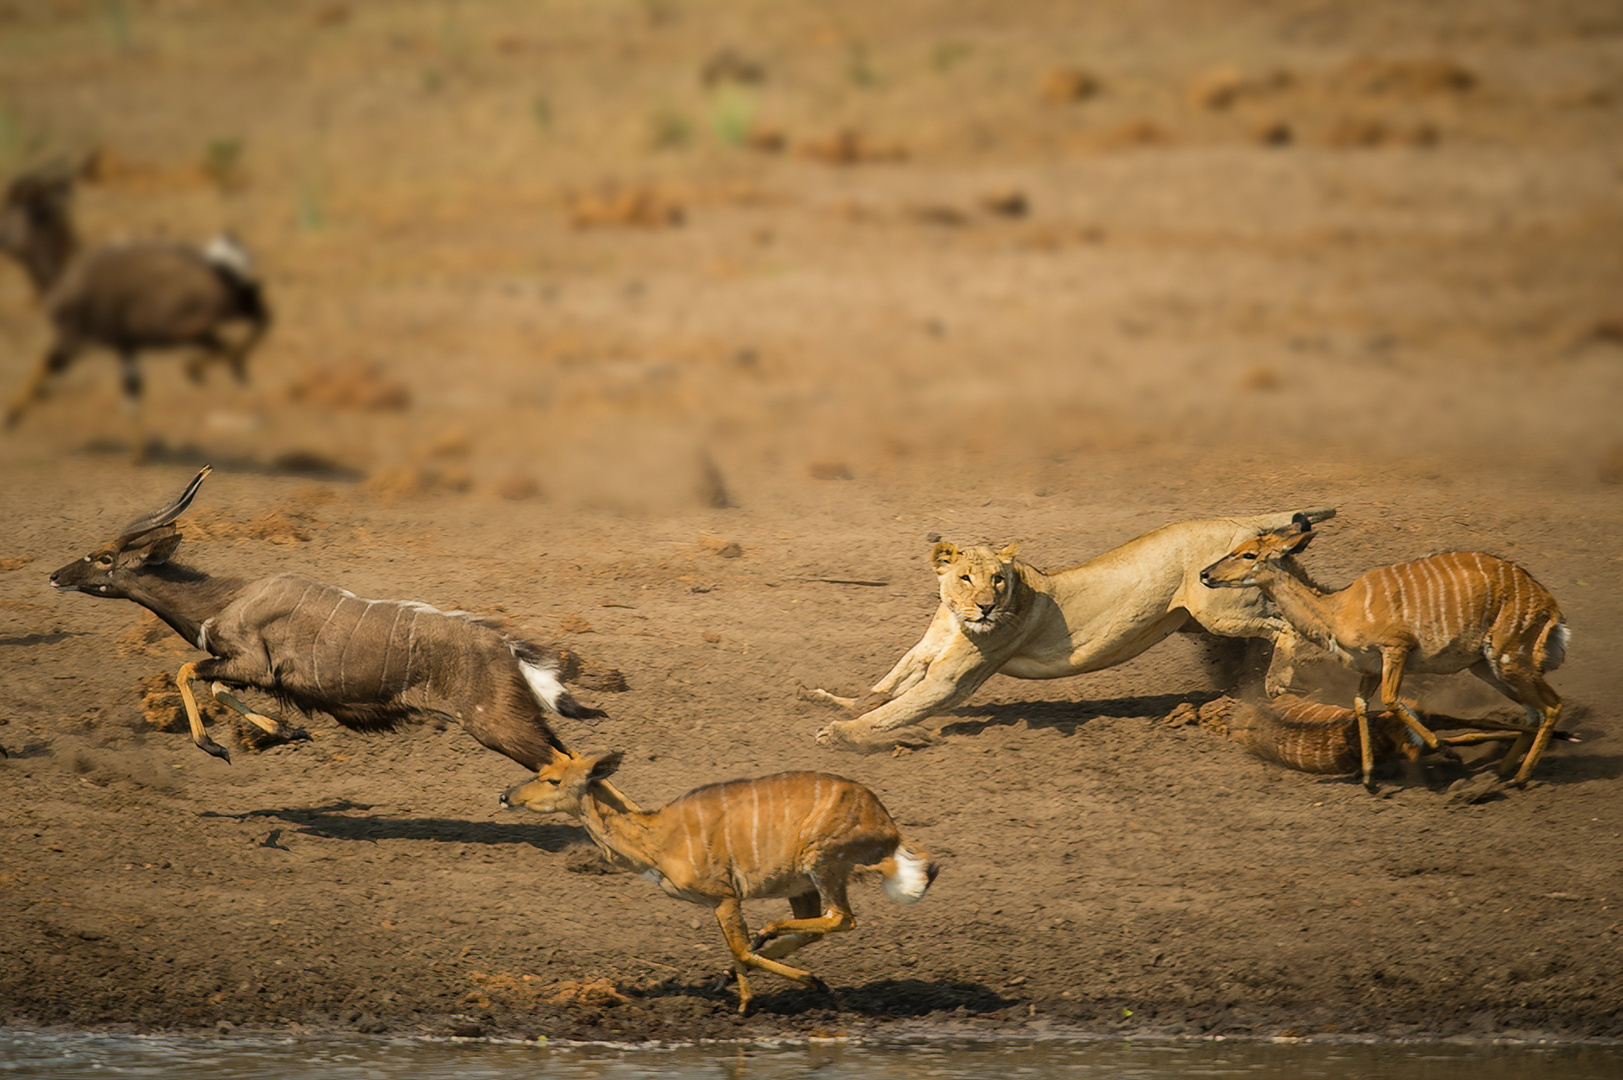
730	914
1407	714
183	680
804	906
834	922
1366	752
836	917
1392	661
270	725
237	356
1540	741
58	358
1366	755
1472	738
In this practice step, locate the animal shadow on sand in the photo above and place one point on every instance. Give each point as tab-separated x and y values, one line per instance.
883	997
338	821
296	463
52	638
1067	716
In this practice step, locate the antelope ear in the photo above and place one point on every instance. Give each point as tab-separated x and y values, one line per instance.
941	556
161	549
1297	546
1009	551
605	765
1302	522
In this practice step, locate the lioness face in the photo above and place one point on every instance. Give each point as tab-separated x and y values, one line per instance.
977	584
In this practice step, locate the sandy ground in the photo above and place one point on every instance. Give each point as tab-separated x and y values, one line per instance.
686	373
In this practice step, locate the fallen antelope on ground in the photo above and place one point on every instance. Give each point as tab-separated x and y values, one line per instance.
1315	737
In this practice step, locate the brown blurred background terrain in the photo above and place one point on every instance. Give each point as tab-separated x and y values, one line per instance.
672	332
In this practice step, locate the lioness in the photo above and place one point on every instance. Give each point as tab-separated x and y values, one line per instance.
998	613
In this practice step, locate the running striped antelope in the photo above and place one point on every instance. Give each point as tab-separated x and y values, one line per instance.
795	835
1458	611
370	664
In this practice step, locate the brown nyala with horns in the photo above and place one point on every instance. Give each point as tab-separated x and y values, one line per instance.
370	664
1316	737
1458	611
795	835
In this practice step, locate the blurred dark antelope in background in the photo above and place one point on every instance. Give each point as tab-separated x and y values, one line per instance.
127	296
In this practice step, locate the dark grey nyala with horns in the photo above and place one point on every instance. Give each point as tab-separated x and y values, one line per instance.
368	663
127	296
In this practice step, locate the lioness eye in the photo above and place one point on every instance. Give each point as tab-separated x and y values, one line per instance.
967	578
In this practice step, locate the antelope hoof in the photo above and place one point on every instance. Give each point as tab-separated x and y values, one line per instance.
819	985
209	746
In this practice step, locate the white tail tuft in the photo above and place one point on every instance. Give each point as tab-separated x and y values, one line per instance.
907	877
227	252
543	683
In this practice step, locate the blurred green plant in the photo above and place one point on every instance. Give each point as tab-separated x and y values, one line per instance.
222	163
11	132
312	207
541	113
948	54
733	116
117	16
669	130
857	67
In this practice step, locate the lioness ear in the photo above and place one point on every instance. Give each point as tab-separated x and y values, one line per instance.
1010	551
941	556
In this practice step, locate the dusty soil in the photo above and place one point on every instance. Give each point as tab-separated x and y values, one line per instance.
685	374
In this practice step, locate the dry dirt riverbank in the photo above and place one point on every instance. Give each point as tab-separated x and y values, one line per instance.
1281	256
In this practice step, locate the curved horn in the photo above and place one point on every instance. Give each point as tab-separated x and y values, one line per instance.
148	522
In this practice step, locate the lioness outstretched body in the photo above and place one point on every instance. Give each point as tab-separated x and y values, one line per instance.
999	614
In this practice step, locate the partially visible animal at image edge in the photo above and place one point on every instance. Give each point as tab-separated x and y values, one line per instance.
1316	737
1445	613
796	835
125	296
1000	615
370	664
